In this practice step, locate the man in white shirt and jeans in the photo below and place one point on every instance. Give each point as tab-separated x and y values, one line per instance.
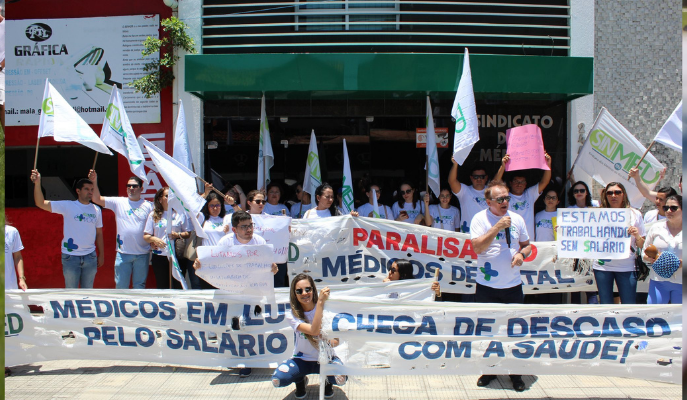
131	212
83	231
499	237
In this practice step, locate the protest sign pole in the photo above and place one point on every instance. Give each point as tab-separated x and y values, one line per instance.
35	157
95	160
643	155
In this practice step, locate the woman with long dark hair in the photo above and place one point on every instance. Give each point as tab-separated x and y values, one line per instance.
408	207
621	271
307	309
324	198
666	236
579	196
154	232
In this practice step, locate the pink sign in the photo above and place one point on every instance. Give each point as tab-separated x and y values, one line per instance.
525	148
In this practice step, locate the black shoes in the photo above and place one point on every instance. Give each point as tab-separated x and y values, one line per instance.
300	388
485	379
328	390
518	383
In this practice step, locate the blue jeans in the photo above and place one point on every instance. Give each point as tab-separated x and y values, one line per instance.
79	269
127	265
663	292
295	369
625	281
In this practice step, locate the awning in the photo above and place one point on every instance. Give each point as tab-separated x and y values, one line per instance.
385	75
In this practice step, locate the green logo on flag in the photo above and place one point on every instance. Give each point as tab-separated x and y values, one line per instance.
314	163
612	150
460	122
113	117
48	107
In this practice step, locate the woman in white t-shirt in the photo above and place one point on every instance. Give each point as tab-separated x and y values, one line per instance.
154	232
543	220
442	215
408	207
324	197
367	209
579	196
666	235
307	311
273	206
255	201
621	271
216	223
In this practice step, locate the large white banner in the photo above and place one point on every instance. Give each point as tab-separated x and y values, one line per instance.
245	270
354	250
393	336
593	233
275	230
83	58
609	153
409	338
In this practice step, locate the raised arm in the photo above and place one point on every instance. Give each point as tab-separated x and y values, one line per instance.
643	188
427	217
97	198
38	197
453	177
502	168
547	174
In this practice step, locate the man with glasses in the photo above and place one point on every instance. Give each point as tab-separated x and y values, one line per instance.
500	239
522	197
131	212
471	197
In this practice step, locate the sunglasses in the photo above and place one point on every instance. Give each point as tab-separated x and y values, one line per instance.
551	197
406	191
479	176
133	186
246	227
307	289
671	208
576	191
501	199
259	201
614	193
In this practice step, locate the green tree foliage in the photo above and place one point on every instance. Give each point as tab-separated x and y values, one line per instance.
159	71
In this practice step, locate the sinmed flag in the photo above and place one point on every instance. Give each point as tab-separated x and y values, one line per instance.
312	178
265	155
465	113
347	186
432	166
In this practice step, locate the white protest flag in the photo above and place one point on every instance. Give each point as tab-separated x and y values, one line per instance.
59	120
609	153
671	132
347	184
432	166
265	155
312	178
375	206
171	250
181	151
181	182
119	135
465	114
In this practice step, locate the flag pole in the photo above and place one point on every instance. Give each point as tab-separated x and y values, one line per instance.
426	176
643	155
35	157
264	175
213	188
170	273
94	160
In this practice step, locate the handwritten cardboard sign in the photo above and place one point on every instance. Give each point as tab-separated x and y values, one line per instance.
597	234
239	269
525	147
275	230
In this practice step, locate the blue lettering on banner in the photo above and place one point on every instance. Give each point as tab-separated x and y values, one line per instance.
105	309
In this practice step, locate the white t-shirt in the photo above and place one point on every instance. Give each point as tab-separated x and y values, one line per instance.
275	210
297	211
652	216
314	213
524	206
449	216
131	218
660	236
498	255
627	264
413	212
159	229
472	201
543	226
595	203
384	211
80	223
230	240
214	228
302	348
12	245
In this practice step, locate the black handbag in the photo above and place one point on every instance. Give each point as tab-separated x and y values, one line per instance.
641	269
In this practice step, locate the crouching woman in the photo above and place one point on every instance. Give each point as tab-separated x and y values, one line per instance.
307	308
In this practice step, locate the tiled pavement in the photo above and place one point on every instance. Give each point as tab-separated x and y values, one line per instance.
129	380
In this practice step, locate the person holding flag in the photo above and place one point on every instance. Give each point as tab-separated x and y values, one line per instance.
325	204
471	197
154	232
303	205
83	232
131	213
372	208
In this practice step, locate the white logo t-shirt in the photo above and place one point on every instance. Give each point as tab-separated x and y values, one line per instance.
131	220
80	223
